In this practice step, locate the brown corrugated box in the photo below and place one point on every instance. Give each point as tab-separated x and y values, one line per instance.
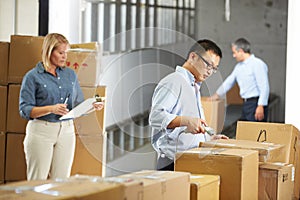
15	165
268	152
15	123
237	168
233	96
214	113
93	123
90	152
87	65
204	186
4	57
25	52
2	156
162	185
3	108
67	189
276	181
278	133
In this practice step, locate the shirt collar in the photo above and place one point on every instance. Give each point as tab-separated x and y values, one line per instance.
188	75
248	59
41	69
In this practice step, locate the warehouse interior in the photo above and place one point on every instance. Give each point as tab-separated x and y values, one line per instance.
138	43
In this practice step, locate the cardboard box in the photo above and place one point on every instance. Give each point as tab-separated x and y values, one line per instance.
278	133
93	123
90	155
90	151
233	96
237	168
214	113
15	164
204	186
86	63
3	108
276	181
134	189
25	52
2	155
4	57
15	123
162	185
268	152
68	189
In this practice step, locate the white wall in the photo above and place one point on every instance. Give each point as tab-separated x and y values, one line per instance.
65	18
18	17
292	104
263	23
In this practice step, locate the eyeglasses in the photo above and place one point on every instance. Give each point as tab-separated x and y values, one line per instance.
208	65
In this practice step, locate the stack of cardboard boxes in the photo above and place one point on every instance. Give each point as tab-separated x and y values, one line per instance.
262	163
17	57
142	185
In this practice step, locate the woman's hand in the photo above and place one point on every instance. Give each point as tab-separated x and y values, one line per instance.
59	109
98	105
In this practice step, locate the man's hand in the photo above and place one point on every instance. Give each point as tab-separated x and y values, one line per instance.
214	97
195	125
259	113
218	137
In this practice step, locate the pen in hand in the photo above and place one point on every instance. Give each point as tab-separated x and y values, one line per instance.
67	98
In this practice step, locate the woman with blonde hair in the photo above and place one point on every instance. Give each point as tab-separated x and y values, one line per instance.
48	91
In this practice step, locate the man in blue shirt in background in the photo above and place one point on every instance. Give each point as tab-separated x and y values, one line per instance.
251	74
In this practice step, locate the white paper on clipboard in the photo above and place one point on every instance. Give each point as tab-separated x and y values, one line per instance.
81	109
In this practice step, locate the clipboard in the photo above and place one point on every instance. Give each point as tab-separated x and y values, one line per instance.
84	108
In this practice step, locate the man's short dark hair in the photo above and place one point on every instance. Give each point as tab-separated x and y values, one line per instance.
201	46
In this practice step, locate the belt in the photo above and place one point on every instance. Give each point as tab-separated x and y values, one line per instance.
251	99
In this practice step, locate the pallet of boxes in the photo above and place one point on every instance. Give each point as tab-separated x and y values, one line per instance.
20	55
262	163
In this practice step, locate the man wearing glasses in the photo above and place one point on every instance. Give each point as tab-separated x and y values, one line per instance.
176	105
251	74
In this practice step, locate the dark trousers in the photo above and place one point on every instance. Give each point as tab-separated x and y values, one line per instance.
249	108
164	163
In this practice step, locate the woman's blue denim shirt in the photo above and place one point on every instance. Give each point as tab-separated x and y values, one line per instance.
40	88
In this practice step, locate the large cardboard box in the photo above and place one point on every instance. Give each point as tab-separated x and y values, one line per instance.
276	181
3	108
162	185
93	123
90	155
15	123
204	186
268	152
134	189
237	168
86	63
4	56
2	156
233	96
15	164
25	52
67	189
214	113
90	152
278	133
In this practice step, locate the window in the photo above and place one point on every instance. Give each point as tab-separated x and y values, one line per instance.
123	25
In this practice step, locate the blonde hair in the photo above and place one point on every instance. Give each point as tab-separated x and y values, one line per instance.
51	41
